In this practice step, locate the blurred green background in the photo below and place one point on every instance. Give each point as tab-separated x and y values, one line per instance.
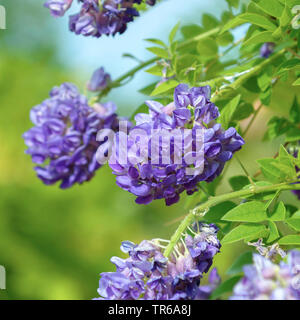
54	243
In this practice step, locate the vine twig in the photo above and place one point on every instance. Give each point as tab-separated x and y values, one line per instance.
219	199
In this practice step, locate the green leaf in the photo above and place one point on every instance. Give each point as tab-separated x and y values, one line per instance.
232	24
225	287
280	169
264	80
242	232
271	7
277	126
290	3
279	212
253	211
148	89
270	205
262	37
274	234
292	135
294	223
160	52
207	47
216	212
269	170
239	263
233	3
191	31
295	111
297	82
289	65
265	97
287	160
291	211
225	39
258	20
295	214
238	182
158	42
243	111
173	32
262	234
156	70
251	85
228	111
277	33
164	87
291	239
286	17
209	21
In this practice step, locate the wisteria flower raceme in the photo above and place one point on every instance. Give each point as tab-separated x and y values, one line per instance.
63	140
147	275
179	146
265	280
95	18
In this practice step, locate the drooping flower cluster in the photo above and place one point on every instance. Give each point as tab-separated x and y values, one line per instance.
98	17
265	280
63	140
267	49
173	140
148	275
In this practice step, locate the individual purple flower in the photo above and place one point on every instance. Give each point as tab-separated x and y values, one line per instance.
265	280
58	7
93	19
204	245
63	139
116	286
267	49
270	252
179	145
148	275
99	81
205	291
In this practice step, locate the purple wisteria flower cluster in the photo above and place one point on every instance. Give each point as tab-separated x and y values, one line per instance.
63	139
147	176
148	275
96	17
265	280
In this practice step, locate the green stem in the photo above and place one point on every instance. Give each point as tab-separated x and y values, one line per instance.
132	72
252	120
201	36
219	199
232	46
244	169
243	78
